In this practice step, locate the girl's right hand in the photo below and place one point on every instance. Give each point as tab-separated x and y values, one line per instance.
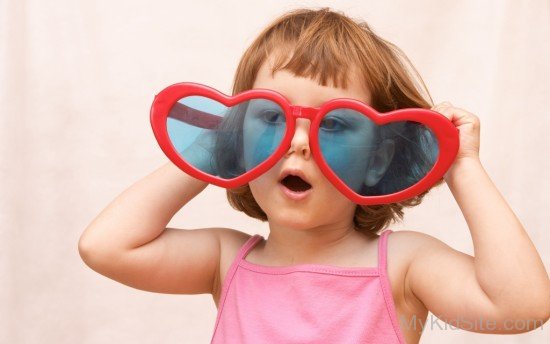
200	153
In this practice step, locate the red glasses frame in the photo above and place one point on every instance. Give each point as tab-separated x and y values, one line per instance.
164	102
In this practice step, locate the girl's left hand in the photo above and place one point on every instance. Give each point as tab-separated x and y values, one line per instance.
468	126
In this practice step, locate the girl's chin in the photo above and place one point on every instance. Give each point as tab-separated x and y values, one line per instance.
291	215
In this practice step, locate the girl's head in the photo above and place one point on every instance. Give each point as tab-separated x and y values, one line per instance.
311	56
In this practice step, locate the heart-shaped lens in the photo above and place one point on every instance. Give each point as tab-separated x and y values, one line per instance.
372	159
225	141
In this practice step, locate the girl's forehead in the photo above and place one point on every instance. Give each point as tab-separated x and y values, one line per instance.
308	92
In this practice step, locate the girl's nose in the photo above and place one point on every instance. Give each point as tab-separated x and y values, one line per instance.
300	141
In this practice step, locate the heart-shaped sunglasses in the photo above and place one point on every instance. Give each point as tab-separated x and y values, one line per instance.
370	157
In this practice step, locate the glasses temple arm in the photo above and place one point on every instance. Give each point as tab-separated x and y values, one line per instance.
194	117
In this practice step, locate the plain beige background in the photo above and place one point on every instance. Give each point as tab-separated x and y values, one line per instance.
77	81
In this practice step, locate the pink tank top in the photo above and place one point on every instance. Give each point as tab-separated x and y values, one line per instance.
306	303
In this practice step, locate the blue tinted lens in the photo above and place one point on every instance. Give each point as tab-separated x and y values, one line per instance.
225	141
376	160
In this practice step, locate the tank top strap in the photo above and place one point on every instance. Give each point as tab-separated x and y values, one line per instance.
383	251
248	245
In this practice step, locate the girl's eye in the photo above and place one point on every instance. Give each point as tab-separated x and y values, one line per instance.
272	116
332	124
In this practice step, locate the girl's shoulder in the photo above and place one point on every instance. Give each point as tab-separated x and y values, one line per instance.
404	247
408	241
231	240
405	244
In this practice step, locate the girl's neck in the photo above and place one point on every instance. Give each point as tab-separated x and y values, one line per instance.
292	246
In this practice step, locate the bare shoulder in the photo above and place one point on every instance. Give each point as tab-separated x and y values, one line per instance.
403	247
409	242
231	240
409	245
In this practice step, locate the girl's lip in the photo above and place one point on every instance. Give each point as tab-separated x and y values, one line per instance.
294	195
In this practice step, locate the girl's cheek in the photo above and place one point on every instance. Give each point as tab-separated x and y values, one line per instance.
260	141
349	164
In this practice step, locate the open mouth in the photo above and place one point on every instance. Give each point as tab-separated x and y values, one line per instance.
295	183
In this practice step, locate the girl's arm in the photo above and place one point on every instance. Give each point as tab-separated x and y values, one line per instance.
129	242
504	288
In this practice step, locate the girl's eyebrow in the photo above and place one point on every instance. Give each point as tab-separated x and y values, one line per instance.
354	117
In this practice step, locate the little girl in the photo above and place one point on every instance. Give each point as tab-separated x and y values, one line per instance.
330	271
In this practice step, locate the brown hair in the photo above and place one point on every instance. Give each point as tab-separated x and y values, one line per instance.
326	45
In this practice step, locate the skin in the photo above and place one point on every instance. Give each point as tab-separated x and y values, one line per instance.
425	273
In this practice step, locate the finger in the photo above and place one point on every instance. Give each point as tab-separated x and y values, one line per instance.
459	116
443	108
447	112
442	105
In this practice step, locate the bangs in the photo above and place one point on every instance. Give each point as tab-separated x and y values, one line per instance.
324	50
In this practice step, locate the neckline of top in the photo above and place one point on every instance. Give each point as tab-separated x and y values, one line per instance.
320	268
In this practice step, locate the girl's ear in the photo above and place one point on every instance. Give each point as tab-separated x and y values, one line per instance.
379	162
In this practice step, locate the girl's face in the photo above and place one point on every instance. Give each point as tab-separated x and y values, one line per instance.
324	204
